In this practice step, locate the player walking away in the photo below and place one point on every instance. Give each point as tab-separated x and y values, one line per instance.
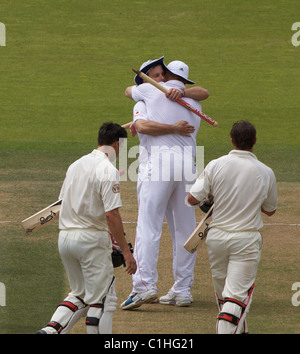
241	187
90	208
160	196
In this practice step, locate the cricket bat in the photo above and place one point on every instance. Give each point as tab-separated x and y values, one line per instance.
179	100
199	233
42	218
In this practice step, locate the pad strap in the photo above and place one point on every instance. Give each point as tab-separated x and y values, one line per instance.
57	326
234	301
69	305
229	318
93	321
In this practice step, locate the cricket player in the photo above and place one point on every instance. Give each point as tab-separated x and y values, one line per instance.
162	194
241	188
90	208
156	70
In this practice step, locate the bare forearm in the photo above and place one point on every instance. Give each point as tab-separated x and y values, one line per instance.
128	92
153	128
114	223
196	92
269	213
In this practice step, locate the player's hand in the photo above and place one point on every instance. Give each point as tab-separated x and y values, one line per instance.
184	128
132	130
173	94
130	262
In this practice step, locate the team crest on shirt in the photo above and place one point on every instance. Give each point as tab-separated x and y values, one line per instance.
116	188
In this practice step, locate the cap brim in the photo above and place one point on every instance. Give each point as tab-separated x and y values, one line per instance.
187	81
159	61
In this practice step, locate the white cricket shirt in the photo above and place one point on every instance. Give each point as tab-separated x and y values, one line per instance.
241	185
90	189
161	109
140	112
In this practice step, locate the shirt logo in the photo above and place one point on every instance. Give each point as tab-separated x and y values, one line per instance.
116	188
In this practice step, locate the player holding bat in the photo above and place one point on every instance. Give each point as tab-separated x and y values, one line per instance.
90	208
241	187
161	195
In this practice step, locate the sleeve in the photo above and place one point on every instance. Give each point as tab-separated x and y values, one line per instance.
136	93
201	189
270	203
61	193
139	111
62	190
110	192
143	92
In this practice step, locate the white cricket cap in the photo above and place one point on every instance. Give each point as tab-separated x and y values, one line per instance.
179	68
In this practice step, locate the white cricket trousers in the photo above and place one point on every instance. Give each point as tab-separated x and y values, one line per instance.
157	199
86	256
234	258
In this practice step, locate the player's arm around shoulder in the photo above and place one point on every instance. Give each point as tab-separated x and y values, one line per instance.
128	92
155	129
197	93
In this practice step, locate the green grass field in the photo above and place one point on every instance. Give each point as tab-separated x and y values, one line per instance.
63	73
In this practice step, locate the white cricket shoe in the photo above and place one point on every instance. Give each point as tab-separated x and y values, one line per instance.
138	299
172	299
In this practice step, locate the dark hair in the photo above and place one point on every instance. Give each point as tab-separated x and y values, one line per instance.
110	132
243	135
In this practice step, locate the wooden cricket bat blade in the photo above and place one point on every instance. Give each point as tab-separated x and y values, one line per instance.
199	233
42	217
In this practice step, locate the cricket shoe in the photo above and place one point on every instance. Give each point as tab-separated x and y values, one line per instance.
138	299
172	299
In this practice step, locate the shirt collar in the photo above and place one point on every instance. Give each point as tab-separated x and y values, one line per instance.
99	153
175	83
242	153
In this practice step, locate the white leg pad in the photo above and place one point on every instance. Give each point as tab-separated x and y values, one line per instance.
66	315
110	305
74	319
100	319
93	318
230	313
232	318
